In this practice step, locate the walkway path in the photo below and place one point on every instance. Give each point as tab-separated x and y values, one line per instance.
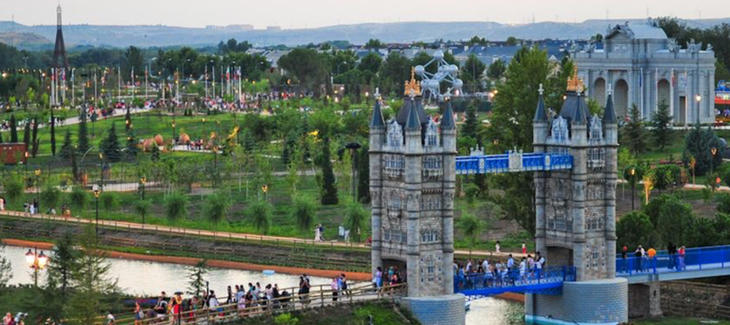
77	120
208	233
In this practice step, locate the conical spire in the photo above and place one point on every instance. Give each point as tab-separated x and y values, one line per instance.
413	122
580	117
377	121
540	114
447	120
609	114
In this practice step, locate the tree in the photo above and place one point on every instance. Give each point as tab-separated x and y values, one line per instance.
303	212
476	40
26	137
259	213
196	278
634	229
395	70
471	228
511	125
671	217
469	129
135	59
512	41
471	73
328	192
65	260
50	196
374	43
91	281
660	122
82	144
6	271
13	129
216	207
67	147
35	136
308	66
78	197
698	144
108	200
496	69
370	65
176	206
634	133
110	145
355	218
13	186
53	134
363	175
142	207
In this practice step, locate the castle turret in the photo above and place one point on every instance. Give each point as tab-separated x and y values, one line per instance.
377	141
539	138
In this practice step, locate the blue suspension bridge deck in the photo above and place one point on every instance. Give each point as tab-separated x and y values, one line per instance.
698	262
513	162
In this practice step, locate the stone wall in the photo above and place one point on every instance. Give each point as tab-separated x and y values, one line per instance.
686	298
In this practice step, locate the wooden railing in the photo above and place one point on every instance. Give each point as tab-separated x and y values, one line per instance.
318	297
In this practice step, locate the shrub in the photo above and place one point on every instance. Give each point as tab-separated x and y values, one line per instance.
13	187
78	197
142	207
50	196
176	206
285	319
303	212
355	219
260	215
216	206
108	200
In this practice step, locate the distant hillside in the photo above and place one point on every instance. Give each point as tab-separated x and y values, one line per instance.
402	32
25	40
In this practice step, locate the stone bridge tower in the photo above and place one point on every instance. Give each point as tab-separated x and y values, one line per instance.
412	176
576	210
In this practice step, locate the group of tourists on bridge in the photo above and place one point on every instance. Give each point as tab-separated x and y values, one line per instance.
498	273
645	260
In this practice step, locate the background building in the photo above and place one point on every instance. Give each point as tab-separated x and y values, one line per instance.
645	68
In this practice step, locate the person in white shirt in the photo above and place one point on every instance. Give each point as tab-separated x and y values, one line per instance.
523	269
497	247
485	266
510	262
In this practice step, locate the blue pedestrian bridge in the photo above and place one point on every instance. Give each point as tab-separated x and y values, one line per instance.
698	262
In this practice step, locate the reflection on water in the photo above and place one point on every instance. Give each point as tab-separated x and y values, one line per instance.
495	311
149	278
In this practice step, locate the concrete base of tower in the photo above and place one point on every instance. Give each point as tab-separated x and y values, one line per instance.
438	310
586	302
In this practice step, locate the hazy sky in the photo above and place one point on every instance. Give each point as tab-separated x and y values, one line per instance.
315	13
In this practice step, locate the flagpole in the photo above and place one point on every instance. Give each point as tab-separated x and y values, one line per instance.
133	86
206	81
119	84
213	81
240	79
53	87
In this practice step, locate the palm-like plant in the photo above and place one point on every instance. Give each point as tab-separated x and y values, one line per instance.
260	214
216	207
142	207
355	219
176	206
303	212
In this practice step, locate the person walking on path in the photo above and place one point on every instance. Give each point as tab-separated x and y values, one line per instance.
497	247
672	251
681	253
524	248
335	288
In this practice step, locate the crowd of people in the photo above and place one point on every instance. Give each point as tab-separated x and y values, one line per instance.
497	272
381	279
241	298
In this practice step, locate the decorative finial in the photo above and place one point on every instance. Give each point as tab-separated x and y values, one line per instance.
412	87
540	90
609	90
574	83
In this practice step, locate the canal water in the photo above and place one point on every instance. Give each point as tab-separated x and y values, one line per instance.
150	278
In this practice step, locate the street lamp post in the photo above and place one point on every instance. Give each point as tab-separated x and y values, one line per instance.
101	169
97	192
142	183
713	151
173	131
36	262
